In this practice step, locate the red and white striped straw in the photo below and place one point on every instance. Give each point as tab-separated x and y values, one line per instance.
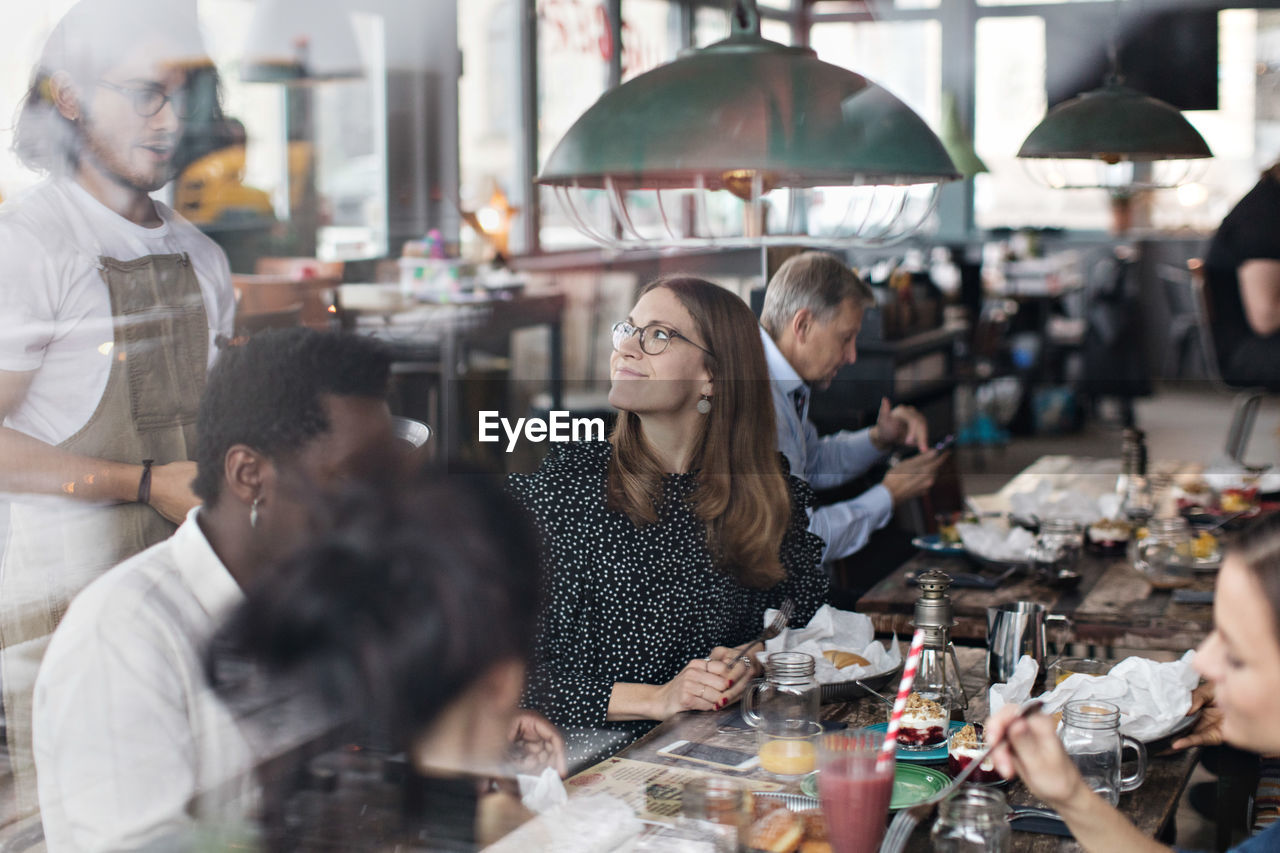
904	690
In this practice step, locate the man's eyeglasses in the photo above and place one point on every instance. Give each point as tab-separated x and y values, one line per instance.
654	338
150	100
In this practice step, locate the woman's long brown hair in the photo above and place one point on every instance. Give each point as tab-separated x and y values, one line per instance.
740	495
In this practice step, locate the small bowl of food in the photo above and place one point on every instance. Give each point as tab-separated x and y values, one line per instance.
1109	536
1195	496
963	748
1244	501
924	723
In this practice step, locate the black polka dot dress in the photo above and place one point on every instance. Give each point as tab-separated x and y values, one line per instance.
635	604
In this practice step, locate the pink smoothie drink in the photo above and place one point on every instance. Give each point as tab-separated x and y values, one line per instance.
855	800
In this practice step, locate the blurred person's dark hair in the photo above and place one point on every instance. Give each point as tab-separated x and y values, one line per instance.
267	394
418	587
93	37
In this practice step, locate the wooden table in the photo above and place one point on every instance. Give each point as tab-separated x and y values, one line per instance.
1150	808
1113	606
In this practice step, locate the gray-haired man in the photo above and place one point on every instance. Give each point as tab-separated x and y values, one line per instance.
812	315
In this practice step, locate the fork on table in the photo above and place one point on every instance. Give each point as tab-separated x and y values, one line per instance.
773	629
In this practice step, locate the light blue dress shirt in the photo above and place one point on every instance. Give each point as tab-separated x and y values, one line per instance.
826	462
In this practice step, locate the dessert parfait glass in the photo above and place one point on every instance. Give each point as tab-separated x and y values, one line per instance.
926	718
963	748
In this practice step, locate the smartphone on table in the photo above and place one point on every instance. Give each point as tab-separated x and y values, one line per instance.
715	756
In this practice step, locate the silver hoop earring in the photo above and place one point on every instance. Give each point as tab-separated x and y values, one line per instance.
253	512
704	405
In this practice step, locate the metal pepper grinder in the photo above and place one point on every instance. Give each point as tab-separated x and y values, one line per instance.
935	617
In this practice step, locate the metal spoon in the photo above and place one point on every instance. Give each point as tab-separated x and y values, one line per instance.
885	699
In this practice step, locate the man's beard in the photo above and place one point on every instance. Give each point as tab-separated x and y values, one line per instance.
116	167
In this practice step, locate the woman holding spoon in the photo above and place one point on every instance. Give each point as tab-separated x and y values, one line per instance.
1240	661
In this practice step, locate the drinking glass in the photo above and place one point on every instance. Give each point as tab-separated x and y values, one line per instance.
783	708
719	808
1091	735
855	789
1164	554
1057	547
975	820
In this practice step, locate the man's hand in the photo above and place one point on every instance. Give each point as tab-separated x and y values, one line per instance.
536	743
900	425
913	477
171	494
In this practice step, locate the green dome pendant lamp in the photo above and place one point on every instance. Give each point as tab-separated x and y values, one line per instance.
747	142
1114	138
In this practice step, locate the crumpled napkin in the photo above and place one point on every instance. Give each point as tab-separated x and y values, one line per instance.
543	792
1017	689
992	542
1153	697
1046	502
836	629
1225	473
588	823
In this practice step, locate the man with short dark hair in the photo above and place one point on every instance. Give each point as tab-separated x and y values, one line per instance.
812	314
131	744
109	308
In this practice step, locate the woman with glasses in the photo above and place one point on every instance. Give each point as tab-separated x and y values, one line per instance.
665	545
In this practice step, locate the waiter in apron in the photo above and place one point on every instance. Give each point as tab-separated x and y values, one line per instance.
109	308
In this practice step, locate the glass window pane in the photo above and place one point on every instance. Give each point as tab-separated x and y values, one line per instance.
1036	2
1010	103
774	30
351	154
903	56
574	44
650	35
710	25
489	108
1243	133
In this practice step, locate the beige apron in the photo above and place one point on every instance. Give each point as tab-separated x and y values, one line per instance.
56	547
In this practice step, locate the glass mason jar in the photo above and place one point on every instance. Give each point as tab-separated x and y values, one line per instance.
718	809
1057	547
783	708
975	820
1164	554
1091	735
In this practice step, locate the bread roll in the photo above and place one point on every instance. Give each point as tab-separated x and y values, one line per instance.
841	659
779	831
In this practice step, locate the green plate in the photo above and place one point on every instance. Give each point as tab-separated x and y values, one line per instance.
912	783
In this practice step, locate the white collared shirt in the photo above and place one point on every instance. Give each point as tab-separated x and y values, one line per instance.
826	462
131	743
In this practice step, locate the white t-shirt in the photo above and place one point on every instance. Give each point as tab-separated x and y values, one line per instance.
55	310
